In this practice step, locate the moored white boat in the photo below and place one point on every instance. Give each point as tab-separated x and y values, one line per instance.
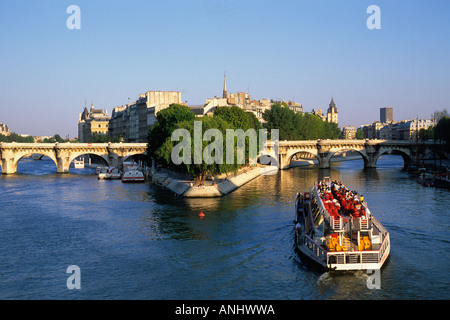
78	164
133	175
102	173
100	169
336	230
110	173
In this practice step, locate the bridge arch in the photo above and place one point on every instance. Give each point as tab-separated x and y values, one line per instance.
267	159
309	153
336	152
405	153
75	155
10	165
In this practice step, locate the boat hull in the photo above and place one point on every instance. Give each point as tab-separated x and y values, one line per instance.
342	260
133	180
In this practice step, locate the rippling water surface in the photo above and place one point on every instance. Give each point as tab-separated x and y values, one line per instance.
138	241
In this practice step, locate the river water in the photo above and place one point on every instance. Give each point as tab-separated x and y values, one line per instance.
139	241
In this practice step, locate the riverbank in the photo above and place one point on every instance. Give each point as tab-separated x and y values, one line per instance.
217	187
183	185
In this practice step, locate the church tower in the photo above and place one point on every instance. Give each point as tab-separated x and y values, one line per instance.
332	112
225	93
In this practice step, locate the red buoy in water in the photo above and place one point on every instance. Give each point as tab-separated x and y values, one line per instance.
201	214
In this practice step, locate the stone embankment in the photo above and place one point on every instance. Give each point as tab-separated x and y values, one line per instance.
218	188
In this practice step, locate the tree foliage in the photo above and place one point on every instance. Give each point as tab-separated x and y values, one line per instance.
219	165
167	120
14	137
359	134
298	126
238	118
442	131
161	145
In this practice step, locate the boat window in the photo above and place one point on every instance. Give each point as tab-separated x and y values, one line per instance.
318	219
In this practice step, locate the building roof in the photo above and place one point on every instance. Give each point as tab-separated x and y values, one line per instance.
198	110
332	106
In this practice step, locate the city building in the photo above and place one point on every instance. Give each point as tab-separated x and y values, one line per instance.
239	99
372	131
132	122
212	104
386	115
118	124
332	113
92	121
409	129
396	130
4	130
348	133
295	106
318	113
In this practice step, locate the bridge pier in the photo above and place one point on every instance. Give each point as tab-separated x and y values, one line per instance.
62	164
324	160
284	162
115	161
9	166
323	150
62	159
372	154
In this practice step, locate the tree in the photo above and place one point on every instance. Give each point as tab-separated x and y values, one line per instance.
98	137
285	120
14	137
167	120
438	115
331	130
212	153
442	129
359	134
238	118
297	126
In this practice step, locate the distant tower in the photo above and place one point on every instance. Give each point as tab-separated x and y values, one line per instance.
332	112
386	114
225	95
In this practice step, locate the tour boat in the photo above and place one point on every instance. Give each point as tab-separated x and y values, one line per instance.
335	229
78	164
133	175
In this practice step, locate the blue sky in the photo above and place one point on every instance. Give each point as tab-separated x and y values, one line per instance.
307	51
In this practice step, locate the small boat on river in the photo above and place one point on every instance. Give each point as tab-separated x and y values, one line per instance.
78	164
109	173
133	175
335	229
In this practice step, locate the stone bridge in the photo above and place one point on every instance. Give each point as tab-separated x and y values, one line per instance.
370	150
115	153
64	153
